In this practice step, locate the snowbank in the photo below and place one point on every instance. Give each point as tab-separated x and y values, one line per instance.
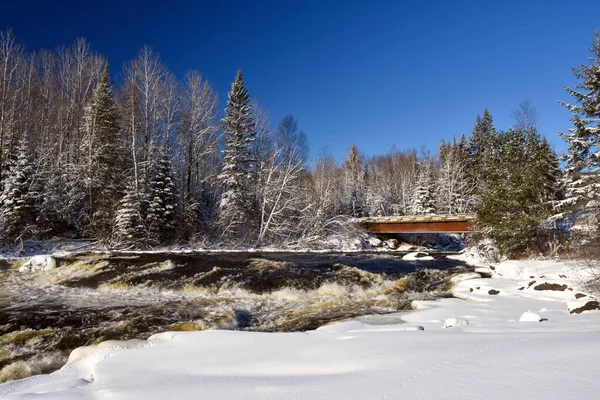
491	356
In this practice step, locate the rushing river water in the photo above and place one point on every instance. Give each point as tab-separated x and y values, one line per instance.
95	297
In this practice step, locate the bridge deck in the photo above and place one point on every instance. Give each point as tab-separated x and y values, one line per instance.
419	223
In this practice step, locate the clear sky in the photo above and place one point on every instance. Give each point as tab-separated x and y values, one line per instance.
374	73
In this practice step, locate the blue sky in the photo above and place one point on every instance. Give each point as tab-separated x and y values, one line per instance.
374	73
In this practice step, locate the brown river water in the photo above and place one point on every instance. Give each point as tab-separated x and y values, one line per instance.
90	298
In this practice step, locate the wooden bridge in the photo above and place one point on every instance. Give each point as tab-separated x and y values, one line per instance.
419	223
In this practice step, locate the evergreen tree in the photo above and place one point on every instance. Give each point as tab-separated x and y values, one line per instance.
515	202
463	146
552	184
161	208
237	209
54	216
583	141
103	161
375	204
18	200
354	182
480	137
424	196
75	200
128	228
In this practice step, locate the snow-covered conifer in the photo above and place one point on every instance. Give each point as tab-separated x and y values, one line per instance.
52	218
354	182
375	203
483	129
18	200
237	209
128	228
515	202
424	195
161	209
102	156
583	141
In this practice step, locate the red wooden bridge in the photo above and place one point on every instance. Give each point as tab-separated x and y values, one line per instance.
419	223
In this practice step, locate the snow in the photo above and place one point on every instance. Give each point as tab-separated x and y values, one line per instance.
454	322
464	277
530	316
104	348
417	255
493	355
39	263
484	271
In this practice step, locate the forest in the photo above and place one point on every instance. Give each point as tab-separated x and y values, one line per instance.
154	161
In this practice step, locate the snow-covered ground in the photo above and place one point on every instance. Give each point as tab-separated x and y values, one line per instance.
486	344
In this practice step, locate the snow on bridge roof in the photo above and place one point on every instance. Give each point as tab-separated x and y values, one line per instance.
411	219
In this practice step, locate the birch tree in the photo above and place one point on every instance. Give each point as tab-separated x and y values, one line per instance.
197	150
455	183
279	195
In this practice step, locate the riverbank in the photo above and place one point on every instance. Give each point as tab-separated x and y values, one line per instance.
470	347
355	242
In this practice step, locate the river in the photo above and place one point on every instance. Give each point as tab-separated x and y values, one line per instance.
90	298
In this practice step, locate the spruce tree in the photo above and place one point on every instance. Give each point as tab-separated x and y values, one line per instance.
375	203
54	218
552	186
128	229
354	182
583	141
424	196
102	156
161	211
237	208
480	137
515	201
18	200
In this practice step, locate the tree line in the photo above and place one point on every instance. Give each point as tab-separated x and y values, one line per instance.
154	162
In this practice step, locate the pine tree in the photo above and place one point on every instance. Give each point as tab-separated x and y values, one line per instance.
375	204
583	141
424	196
128	229
75	200
515	202
52	218
237	208
354	182
18	200
480	137
552	185
161	211
103	160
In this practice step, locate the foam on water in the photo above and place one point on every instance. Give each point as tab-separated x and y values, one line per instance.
94	298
